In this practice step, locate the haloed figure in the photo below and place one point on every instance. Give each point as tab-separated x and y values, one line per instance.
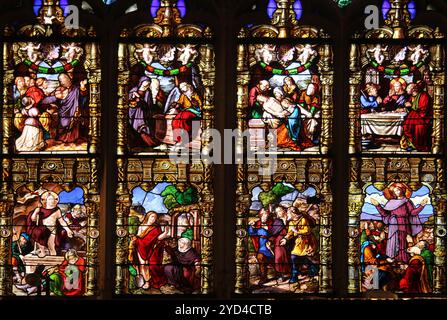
46	226
402	219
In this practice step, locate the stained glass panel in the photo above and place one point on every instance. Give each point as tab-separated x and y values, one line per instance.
394	225
164	228
51	228
51	98
396	98
166	97
285	93
283	243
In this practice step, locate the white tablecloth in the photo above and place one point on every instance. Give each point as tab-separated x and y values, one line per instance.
383	123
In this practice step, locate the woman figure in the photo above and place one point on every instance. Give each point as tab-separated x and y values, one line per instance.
189	109
402	219
31	138
291	89
140	111
146	251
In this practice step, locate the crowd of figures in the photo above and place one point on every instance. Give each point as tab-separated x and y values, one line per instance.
398	249
289	104
50	109
285	243
165	84
52	233
407	95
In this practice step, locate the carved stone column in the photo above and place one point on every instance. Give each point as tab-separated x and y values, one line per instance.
123	203
94	79
440	200
243	198
207	230
326	229
327	81
6	201
208	72
8	108
354	100
438	114
354	210
93	205
122	108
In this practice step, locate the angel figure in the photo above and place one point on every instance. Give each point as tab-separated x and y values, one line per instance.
31	51
418	54
72	52
306	53
147	52
401	55
187	53
377	51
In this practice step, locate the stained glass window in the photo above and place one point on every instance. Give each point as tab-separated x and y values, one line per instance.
284	216
397	180
50	191
164	208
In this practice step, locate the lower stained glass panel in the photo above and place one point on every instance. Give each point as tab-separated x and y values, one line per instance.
395	227
50	231
164	239
284	243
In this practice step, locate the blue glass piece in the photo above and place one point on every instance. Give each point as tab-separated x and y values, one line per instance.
386	6
76	196
412	9
154	7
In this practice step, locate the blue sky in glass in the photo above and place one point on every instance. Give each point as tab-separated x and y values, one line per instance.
369	211
75	196
289	198
107	2
152	200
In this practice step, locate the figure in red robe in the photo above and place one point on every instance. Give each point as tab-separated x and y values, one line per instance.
415	279
189	105
146	251
417	124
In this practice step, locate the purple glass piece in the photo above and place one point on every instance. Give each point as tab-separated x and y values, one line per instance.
271	7
181	7
154	7
412	9
298	8
64	4
386	6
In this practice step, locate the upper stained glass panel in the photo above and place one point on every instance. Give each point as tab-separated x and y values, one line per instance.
285	93
166	97
396	98
51	97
